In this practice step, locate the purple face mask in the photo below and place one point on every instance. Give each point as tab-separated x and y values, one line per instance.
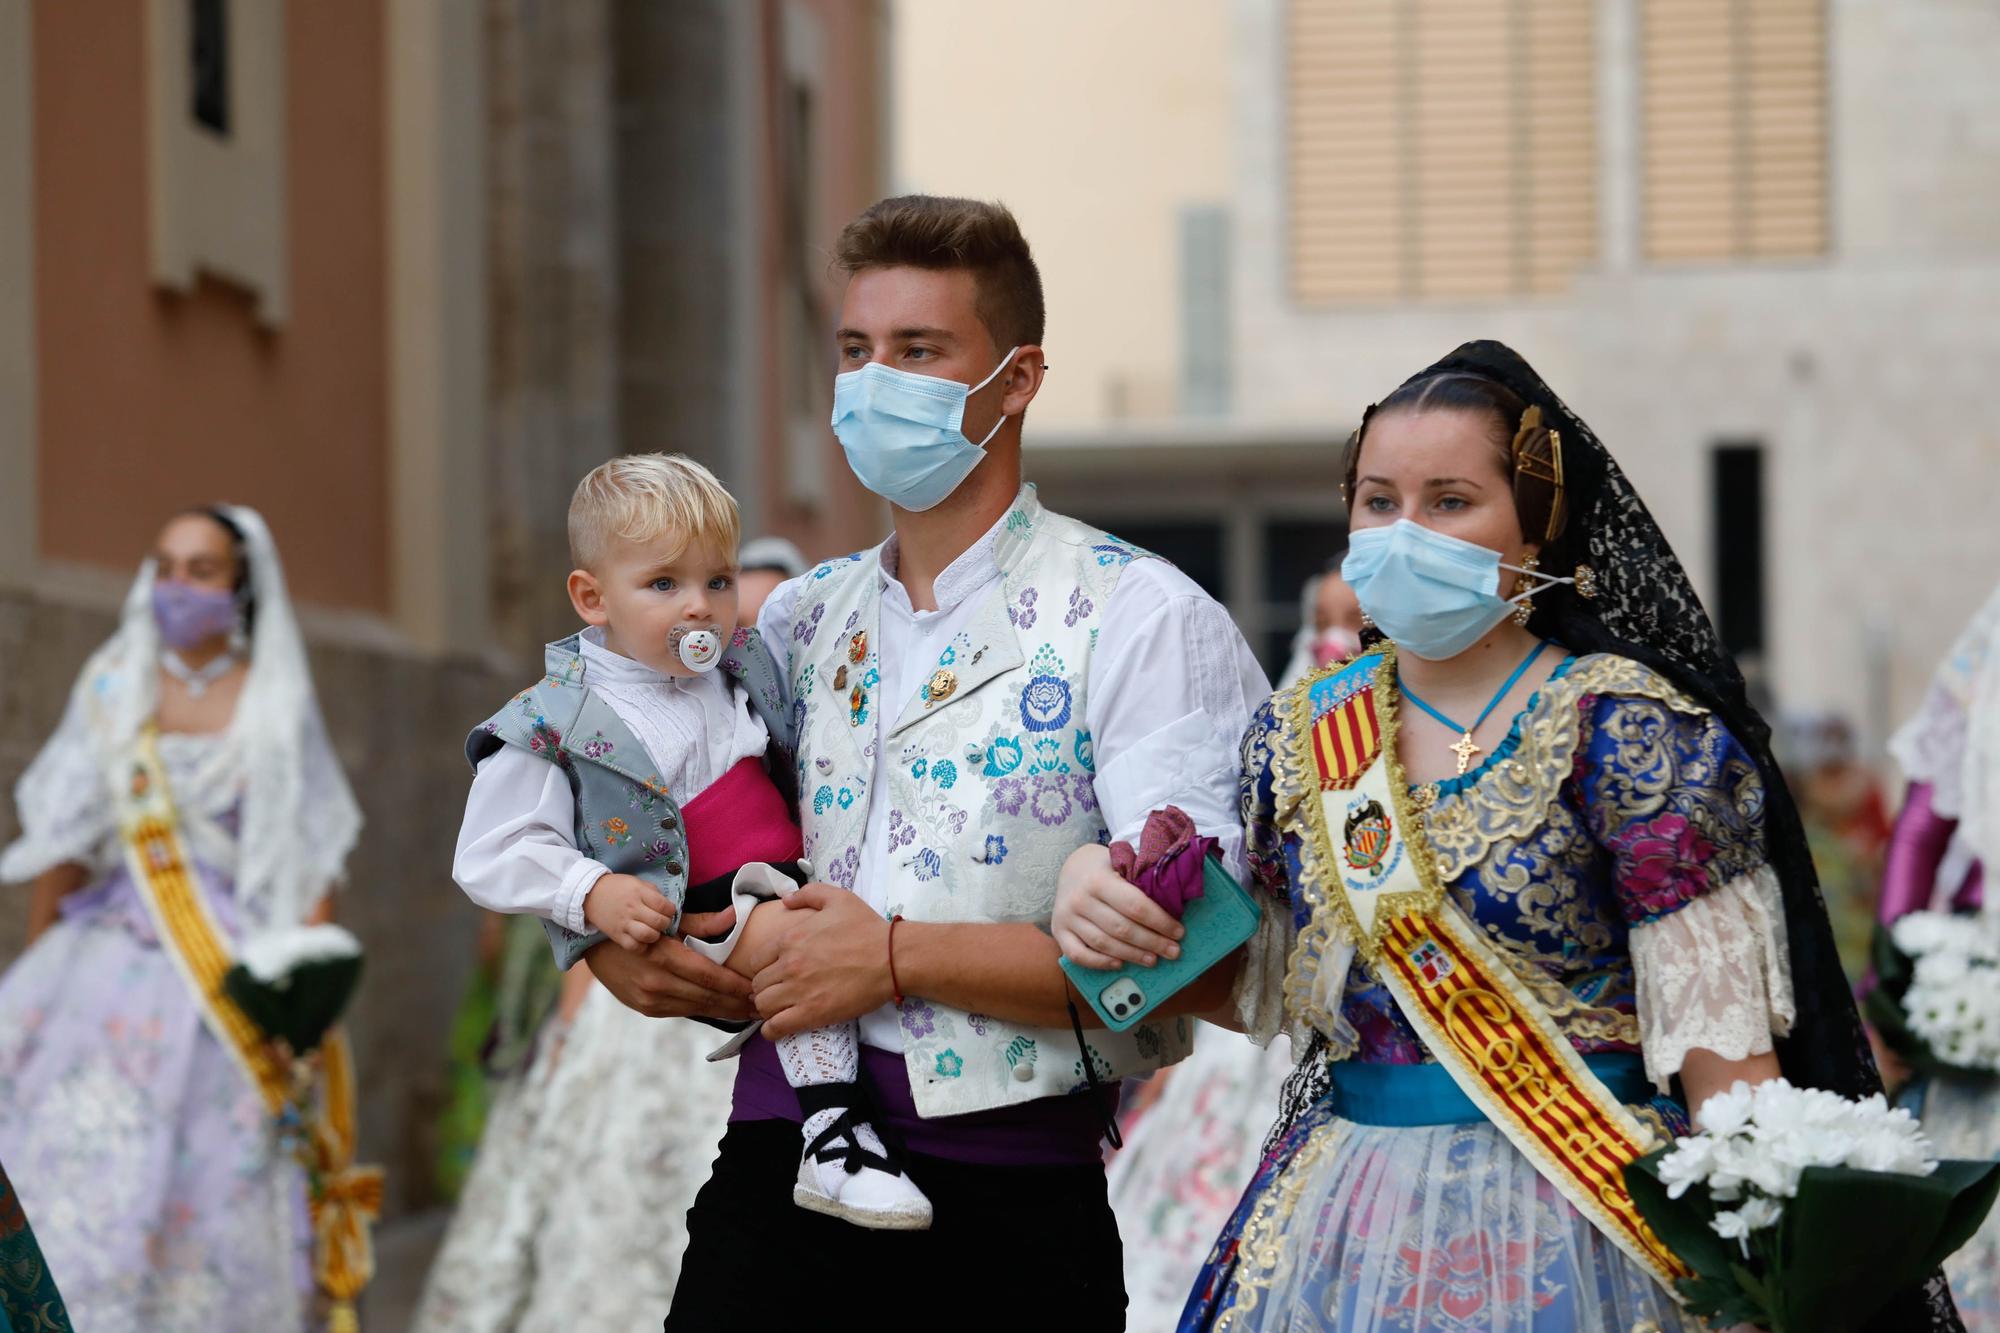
187	615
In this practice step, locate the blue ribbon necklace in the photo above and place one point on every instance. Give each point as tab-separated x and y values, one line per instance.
1464	747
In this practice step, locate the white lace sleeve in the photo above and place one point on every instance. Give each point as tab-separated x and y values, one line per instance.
1715	975
1259	998
64	810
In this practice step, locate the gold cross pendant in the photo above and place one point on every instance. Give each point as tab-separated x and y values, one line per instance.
1464	748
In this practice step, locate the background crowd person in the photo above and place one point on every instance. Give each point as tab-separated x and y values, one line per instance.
28	1295
1329	624
1847	827
164	1200
1946	837
761	566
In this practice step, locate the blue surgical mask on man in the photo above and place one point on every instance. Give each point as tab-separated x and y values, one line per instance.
903	432
1435	595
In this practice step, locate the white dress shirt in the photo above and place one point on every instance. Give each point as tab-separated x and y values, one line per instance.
517	847
1168	695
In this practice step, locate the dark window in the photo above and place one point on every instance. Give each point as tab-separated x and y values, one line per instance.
1277	651
208	56
1194	546
808	348
1737	506
1294	551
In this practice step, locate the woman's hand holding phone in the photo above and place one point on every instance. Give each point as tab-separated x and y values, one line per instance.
1103	922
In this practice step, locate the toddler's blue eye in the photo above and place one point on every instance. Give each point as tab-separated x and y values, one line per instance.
663	585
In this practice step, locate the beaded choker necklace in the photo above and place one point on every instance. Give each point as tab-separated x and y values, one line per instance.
197	681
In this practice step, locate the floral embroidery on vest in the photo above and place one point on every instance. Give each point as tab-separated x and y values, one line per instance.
989	787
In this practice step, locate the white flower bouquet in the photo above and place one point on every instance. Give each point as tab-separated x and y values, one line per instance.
1936	1000
294	984
1798	1209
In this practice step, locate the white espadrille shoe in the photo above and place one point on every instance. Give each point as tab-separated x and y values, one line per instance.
847	1173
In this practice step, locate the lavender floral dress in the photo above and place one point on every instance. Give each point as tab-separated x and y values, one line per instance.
137	1144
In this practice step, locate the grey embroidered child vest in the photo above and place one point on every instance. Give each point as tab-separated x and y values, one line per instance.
624	817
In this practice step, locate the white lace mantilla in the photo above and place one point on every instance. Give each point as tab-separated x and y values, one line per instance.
274	763
1715	975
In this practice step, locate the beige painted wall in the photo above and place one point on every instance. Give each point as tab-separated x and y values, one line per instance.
150	400
17	295
1096	122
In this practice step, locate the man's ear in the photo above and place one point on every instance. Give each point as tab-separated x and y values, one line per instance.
587	597
1023	377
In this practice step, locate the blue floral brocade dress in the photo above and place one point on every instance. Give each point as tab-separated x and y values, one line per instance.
1612	848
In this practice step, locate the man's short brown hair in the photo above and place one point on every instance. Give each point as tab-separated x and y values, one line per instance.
936	232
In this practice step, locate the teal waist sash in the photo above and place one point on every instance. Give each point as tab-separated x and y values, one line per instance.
1404	1096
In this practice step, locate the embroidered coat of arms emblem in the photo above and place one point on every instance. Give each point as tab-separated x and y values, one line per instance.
1367	836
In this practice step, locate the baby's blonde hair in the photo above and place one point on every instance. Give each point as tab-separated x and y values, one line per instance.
640	496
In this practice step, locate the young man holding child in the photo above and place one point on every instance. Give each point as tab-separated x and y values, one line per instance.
993	688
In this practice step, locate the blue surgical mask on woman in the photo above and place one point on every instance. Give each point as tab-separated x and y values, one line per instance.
1433	594
903	432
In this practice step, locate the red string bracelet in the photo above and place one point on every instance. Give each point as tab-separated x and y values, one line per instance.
895	986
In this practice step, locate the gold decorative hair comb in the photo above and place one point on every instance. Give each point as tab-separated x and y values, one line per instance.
1548	469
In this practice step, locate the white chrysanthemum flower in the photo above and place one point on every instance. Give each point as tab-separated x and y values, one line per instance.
278	953
1761	1212
1922	933
1758	1142
1688	1164
1953	1002
1734	1224
1726	1112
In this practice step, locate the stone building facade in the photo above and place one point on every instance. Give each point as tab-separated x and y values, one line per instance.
1750	241
1851	365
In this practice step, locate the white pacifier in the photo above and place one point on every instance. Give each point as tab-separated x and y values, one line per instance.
698	646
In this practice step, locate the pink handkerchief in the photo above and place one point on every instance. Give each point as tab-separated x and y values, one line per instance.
1167	864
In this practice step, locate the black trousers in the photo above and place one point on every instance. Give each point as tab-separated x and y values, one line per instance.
1010	1247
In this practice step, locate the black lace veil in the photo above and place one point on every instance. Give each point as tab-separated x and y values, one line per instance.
1643	607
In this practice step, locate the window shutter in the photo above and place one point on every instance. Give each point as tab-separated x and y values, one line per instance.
1734	108
1559	136
1347	210
1463	164
1784	128
1440	149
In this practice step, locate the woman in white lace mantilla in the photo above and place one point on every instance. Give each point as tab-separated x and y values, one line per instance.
160	1194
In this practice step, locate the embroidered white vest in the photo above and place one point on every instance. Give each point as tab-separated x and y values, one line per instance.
990	786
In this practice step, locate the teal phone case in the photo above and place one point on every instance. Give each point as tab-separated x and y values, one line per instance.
1217	923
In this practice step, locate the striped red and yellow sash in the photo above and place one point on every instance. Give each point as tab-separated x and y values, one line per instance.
345	1198
1372	872
1345	741
1524	1074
